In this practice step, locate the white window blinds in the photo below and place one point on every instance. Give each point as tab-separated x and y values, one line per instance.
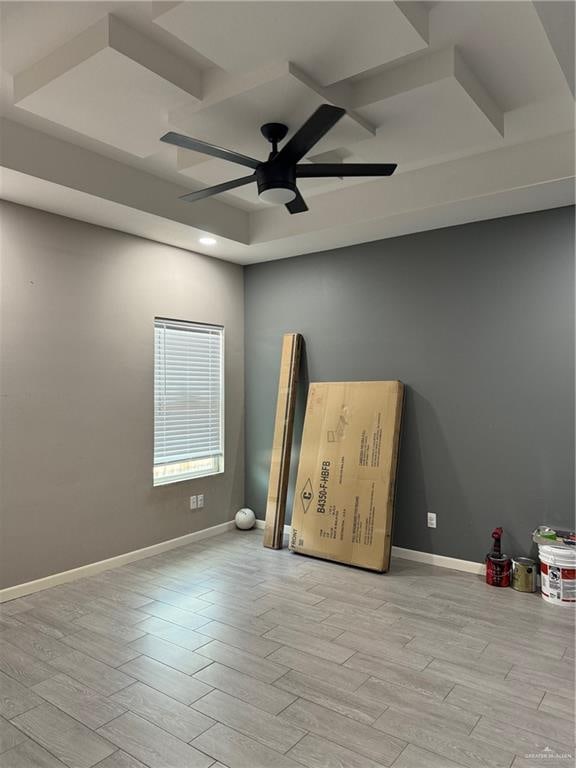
188	400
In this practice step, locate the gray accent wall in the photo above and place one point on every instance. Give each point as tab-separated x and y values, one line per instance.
478	322
76	408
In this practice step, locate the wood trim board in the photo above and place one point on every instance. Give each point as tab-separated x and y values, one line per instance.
282	443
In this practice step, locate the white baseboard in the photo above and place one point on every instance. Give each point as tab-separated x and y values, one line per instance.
422	557
440	560
20	590
262	524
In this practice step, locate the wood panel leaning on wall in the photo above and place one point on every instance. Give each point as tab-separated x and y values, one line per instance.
282	445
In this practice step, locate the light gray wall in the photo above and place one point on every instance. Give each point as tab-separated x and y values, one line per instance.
78	304
478	321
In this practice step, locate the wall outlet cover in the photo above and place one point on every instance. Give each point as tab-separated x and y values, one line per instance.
200	500
431	519
193	502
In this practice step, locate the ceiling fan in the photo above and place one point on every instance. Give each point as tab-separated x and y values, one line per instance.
276	177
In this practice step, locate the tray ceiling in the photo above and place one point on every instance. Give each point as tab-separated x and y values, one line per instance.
443	89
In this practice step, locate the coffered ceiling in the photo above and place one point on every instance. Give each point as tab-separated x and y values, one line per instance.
473	100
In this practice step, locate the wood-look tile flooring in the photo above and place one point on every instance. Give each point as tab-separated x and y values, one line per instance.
223	653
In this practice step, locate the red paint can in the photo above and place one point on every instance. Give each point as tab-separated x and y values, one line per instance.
498	566
498	570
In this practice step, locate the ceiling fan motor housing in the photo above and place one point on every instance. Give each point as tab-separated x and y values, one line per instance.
276	182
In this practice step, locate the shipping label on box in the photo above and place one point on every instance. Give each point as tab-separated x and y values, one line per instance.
344	499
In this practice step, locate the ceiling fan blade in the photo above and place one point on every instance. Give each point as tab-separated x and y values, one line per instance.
196	145
298	205
316	170
325	117
200	194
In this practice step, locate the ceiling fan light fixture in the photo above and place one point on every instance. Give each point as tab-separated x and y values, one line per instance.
276	177
278	195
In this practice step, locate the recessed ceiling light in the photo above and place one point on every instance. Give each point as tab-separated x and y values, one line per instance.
208	240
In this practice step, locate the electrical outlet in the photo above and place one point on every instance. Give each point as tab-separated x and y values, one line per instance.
431	519
200	500
193	502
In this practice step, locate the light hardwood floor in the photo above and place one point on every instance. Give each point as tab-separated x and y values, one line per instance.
223	653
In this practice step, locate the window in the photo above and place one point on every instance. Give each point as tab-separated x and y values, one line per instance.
188	400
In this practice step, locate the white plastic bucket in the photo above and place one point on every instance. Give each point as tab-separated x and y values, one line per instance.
558	574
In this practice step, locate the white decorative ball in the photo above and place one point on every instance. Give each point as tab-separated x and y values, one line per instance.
245	519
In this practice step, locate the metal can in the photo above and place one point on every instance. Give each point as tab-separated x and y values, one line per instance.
524	574
498	570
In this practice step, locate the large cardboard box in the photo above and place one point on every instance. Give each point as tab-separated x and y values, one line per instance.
344	498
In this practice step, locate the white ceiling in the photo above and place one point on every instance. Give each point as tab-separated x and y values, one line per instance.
473	100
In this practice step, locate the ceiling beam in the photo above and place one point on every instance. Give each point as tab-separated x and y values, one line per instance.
111	83
36	154
558	19
532	164
417	14
419	71
109	32
534	176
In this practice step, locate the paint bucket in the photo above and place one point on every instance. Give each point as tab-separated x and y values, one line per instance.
558	572
497	564
524	574
498	570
